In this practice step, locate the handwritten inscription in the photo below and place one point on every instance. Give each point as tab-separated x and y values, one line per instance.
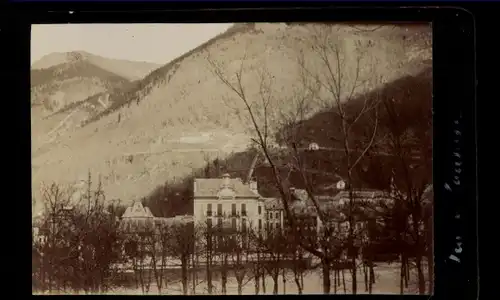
456	183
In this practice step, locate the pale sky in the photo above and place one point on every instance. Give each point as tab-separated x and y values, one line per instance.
157	43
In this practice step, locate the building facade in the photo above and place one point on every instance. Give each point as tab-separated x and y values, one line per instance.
229	203
275	214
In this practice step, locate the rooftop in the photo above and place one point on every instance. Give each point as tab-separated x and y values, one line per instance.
213	187
301	195
366	195
177	220
137	210
273	203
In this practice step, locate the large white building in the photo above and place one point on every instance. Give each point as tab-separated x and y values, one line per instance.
228	202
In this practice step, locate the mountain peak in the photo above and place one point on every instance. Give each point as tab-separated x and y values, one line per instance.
57	58
77	55
131	70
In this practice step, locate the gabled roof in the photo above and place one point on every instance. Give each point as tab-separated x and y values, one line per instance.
137	211
210	187
273	203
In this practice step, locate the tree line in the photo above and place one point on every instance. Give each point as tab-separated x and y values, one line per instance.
83	246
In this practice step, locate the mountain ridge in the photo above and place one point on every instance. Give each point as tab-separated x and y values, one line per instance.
59	93
131	70
142	143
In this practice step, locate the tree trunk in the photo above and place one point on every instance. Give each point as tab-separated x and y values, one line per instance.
184	275
210	253
240	286
366	276
335	280
343	281
407	271
141	274
430	253
297	282
371	277
284	280
275	283
402	275
418	254
372	272
209	274
263	276
326	276
193	282
421	278
430	271
256	279
194	275
354	276
224	276
256	275
156	273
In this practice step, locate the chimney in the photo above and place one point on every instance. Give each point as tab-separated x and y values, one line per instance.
225	180
253	185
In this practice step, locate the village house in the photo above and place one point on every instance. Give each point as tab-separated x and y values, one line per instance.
275	214
333	205
137	218
228	202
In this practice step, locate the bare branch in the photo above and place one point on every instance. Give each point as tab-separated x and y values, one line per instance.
370	144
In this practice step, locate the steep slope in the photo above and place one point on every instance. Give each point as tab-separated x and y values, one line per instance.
131	70
63	84
414	98
58	89
144	139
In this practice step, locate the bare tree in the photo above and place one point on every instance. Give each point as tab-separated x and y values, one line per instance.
333	84
273	245
73	254
157	243
182	247
55	200
255	260
341	85
207	242
224	245
241	257
409	141
139	247
260	122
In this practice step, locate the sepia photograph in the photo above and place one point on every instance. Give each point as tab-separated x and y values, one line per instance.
232	158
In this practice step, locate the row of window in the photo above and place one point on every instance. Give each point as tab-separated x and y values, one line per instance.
276	215
233	209
233	223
